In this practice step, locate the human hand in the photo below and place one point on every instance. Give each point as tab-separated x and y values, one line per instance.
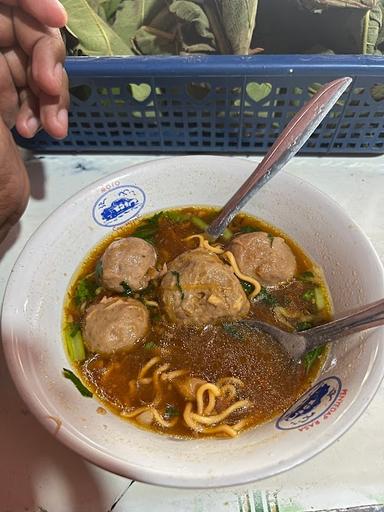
14	183
33	82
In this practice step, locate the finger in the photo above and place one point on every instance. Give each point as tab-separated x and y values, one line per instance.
47	12
28	122
9	99
54	112
7	36
14	183
17	63
46	49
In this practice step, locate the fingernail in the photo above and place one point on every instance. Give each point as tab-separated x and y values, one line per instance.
62	117
61	6
58	72
33	124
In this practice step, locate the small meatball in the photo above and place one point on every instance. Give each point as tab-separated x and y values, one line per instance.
262	256
200	289
114	324
130	260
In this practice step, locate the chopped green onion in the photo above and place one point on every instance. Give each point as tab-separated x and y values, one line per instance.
312	356
247	287
178	286
171	412
271	238
74	342
177	217
150	345
99	269
77	382
127	291
265	296
303	326
248	229
148	229
309	295
306	276
85	291
319	298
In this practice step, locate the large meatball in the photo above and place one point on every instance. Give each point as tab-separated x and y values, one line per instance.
130	260
199	289
115	323
263	256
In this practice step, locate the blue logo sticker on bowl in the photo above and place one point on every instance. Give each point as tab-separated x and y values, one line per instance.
313	405
118	205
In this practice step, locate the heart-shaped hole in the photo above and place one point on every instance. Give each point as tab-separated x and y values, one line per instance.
198	90
258	91
139	92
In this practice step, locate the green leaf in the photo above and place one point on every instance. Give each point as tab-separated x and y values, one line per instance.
110	8
271	238
127	290
85	291
265	296
99	269
171	411
239	22
74	342
303	326
95	36
247	287
178	286
148	229
176	217
68	374
309	295
150	345
310	359
190	12
306	276
248	229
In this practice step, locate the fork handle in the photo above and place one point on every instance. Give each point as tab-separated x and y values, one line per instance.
366	317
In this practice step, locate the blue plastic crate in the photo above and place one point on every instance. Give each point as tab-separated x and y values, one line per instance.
222	116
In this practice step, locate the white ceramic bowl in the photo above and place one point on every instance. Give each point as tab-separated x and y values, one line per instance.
32	314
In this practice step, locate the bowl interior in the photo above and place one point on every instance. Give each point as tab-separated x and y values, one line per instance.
32	324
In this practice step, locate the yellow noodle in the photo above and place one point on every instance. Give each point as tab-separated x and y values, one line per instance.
188	420
152	303
148	366
135	412
200	395
204	244
240	424
173	374
230	257
211	402
146	380
228	390
226	429
230	380
210	420
161	421
156	384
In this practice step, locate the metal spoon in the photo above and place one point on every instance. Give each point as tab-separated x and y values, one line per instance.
298	344
289	142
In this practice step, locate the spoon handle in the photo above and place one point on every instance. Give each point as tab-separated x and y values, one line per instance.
289	142
366	317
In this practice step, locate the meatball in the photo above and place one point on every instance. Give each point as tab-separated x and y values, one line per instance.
263	256
199	289
130	260
115	323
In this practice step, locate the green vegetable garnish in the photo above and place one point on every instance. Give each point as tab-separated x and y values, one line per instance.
312	356
178	286
99	269
303	326
265	296
148	229
127	291
201	224
309	296
306	276
248	229
247	287
150	345
271	237
74	342
319	298
77	382
177	217
85	291
171	412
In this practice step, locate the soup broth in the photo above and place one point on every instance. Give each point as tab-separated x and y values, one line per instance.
187	380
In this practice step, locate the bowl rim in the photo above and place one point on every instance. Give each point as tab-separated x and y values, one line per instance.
94	454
